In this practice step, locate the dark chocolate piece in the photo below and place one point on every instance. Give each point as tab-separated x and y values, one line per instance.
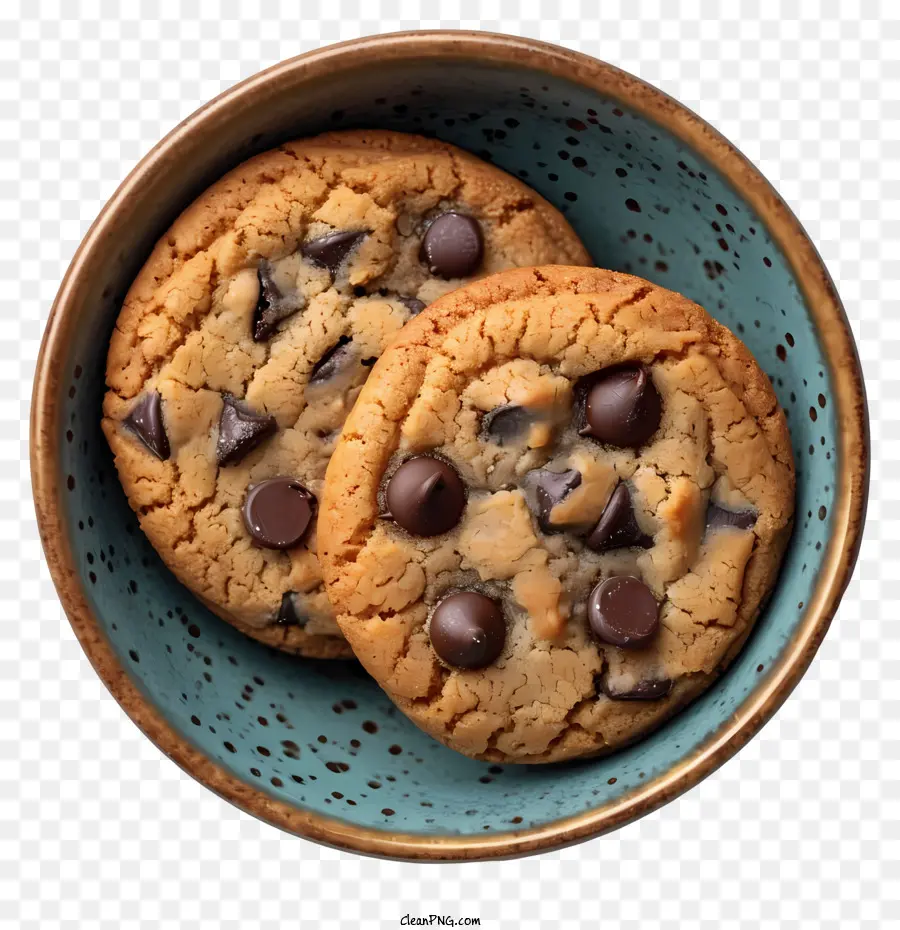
623	612
278	512
337	359
288	615
453	246
425	496
331	251
617	527
549	488
621	407
145	421
240	430
468	630
718	518
413	304
272	306
508	424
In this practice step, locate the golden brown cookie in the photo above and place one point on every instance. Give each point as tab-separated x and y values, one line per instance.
246	337
555	512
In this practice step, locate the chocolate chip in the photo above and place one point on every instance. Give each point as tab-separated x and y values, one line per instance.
413	304
425	496
271	306
278	512
506	425
623	612
145	421
545	489
718	518
332	250
338	358
643	690
617	527
288	614
622	406
453	246
468	630
240	430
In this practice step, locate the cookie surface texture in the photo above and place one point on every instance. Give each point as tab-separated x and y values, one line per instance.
627	530
246	337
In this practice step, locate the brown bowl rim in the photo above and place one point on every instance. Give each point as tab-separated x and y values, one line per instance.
847	516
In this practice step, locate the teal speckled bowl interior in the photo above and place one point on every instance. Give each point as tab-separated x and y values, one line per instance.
321	736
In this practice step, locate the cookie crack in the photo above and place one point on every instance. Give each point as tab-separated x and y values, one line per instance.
457	176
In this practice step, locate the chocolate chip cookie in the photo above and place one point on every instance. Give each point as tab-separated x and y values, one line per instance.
555	512
245	339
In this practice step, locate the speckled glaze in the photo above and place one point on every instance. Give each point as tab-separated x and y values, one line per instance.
315	747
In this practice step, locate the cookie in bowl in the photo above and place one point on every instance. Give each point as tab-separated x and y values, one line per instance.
246	337
556	512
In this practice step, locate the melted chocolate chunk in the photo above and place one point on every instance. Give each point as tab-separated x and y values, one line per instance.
272	306
617	527
643	690
331	251
145	421
623	612
278	512
467	630
507	425
425	496
453	246
718	518
413	304
621	406
240	430
288	614
338	358
546	490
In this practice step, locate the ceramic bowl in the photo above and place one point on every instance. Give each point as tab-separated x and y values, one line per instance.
315	747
